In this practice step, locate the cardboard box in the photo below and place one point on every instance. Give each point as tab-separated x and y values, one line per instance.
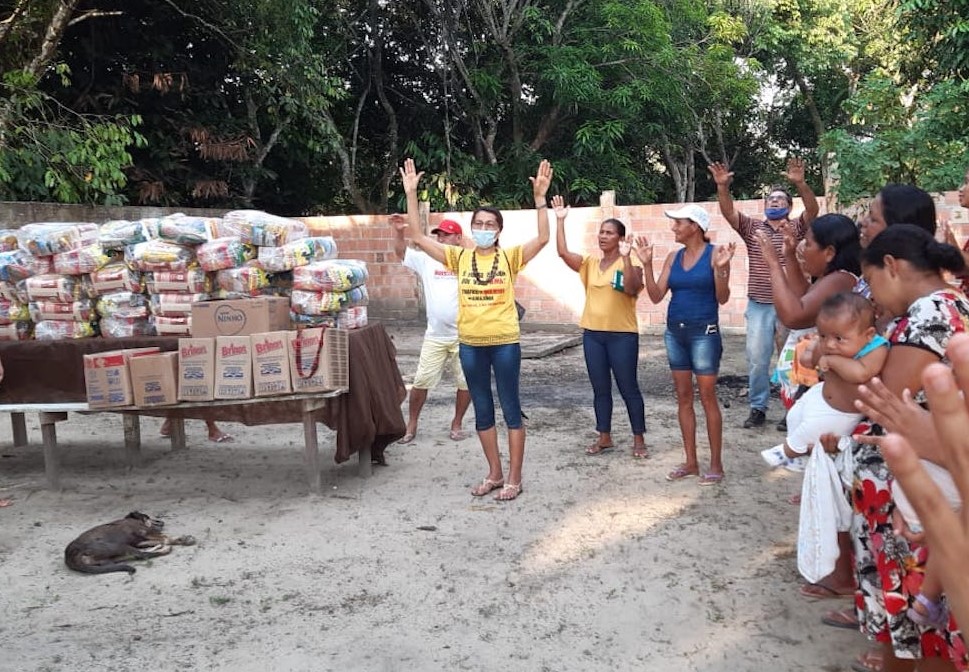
241	317
196	369
270	363
319	359
233	367
107	379
154	379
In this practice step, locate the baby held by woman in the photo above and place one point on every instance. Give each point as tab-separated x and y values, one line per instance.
848	352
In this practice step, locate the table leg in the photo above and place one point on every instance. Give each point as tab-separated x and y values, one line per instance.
132	440
311	452
365	464
19	426
52	465
177	426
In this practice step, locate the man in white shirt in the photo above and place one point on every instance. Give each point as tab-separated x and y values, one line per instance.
440	348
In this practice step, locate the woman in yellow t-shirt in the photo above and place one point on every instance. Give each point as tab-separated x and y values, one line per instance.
610	336
488	330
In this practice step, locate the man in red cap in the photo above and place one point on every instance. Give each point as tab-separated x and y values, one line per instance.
440	348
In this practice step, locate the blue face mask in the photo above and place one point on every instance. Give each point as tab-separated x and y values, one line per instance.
484	238
774	214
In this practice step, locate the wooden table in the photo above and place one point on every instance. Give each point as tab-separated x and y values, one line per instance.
50	414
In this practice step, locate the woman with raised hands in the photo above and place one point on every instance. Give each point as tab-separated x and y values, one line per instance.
610	330
698	276
488	329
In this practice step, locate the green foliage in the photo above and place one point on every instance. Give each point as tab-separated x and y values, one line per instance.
54	153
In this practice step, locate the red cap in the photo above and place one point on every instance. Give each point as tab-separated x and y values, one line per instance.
448	226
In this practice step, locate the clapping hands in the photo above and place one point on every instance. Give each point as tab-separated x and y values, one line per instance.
723	255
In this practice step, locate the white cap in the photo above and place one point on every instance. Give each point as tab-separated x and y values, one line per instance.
692	212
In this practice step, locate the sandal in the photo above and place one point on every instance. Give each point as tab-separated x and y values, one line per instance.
680	473
407	438
640	452
841	618
870	661
486	486
509	492
819	591
711	478
223	438
596	449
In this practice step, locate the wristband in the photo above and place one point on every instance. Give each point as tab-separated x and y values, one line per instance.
543	205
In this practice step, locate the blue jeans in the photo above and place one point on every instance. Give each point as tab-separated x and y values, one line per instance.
761	322
694	347
477	361
614	352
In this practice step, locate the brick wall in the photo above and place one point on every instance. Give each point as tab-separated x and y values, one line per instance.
549	290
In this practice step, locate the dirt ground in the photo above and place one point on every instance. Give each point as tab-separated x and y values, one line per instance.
600	564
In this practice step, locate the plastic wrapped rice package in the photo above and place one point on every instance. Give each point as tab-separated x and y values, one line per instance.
123	327
55	330
14	291
170	304
115	277
13	311
351	318
160	255
333	275
8	240
298	253
118	234
16	331
319	303
244	280
83	260
45	239
173	325
54	287
81	310
123	304
183	229
16	265
223	253
191	281
261	228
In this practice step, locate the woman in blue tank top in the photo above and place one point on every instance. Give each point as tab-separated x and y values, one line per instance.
698	276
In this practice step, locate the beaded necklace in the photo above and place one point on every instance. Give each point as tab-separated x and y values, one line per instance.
491	274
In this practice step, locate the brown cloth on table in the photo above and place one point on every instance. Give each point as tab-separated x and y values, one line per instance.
38	372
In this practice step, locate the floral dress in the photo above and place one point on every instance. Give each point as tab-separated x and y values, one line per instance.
889	568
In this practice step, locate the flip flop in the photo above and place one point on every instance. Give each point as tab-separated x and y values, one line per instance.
711	479
223	438
869	661
596	449
456	435
640	453
5	502
841	618
819	591
680	473
408	438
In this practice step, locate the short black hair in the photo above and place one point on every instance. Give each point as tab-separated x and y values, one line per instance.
620	227
860	308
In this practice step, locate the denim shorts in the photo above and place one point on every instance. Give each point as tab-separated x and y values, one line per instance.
694	347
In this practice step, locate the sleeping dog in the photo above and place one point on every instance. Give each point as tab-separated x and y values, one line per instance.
105	548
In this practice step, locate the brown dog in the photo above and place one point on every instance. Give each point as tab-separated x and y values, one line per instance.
104	548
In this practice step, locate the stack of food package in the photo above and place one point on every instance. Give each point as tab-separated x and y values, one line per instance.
61	298
172	275
331	293
120	289
15	267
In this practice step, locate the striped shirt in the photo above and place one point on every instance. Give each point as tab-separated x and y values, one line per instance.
759	280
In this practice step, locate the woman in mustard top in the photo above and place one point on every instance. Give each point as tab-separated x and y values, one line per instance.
610	336
488	331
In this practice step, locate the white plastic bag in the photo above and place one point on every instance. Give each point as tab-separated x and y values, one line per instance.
824	511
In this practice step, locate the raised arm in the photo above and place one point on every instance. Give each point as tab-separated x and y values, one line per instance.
795	277
721	270
632	283
399	222
656	289
571	259
723	177
852	370
795	310
540	184
795	173
411	178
